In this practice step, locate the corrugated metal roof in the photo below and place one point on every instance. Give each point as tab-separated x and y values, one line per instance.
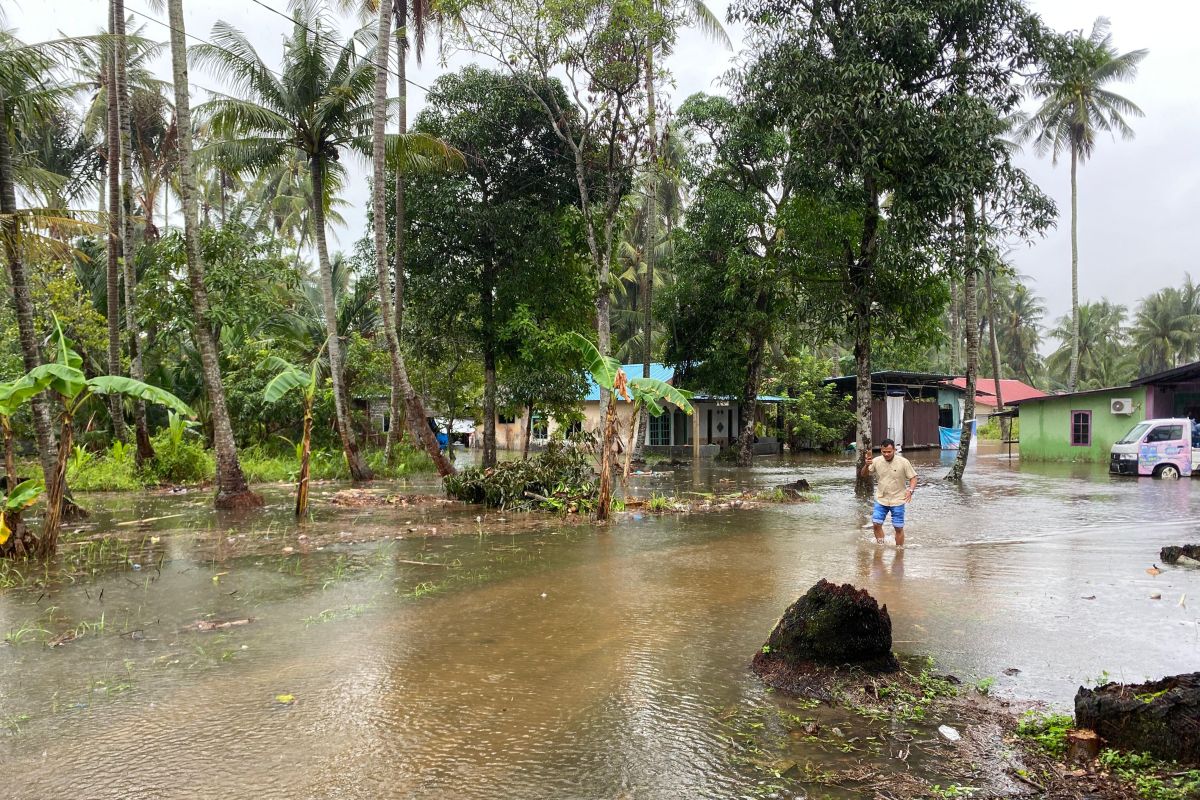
659	371
985	390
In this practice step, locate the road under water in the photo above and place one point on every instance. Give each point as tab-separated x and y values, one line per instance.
560	662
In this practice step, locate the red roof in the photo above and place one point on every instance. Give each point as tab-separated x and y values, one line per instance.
985	390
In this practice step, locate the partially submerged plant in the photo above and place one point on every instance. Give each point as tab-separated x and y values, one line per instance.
288	378
648	393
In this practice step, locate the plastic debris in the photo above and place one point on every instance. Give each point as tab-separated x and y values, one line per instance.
950	733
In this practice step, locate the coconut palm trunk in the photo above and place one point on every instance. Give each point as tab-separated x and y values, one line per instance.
113	283
145	451
971	313
651	236
359	471
232	490
401	386
1073	375
31	352
992	334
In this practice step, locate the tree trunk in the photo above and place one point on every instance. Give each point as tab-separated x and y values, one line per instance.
145	451
31	351
631	447
489	407
113	138
359	471
401	233
528	431
232	491
995	342
305	454
604	500
971	311
1073	377
749	406
48	545
650	234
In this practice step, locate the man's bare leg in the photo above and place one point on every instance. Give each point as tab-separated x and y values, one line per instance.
878	532
899	537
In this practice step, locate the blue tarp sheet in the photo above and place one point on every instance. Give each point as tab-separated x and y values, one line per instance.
951	437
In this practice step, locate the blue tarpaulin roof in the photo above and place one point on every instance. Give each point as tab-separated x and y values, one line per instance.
663	373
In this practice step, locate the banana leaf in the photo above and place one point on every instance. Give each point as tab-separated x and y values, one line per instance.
128	387
603	369
291	378
23	495
652	392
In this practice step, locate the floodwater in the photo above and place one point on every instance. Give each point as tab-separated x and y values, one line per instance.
565	662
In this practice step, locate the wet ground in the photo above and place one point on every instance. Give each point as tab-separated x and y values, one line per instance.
564	662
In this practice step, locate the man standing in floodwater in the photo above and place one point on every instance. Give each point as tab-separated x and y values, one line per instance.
895	482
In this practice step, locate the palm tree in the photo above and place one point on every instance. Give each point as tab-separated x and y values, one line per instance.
1018	318
1165	329
112	138
1100	328
232	491
321	105
415	411
1075	107
25	95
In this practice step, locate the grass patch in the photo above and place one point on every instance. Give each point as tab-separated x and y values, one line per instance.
1047	731
1150	778
266	464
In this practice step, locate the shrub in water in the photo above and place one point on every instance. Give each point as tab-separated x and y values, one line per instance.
562	474
114	471
178	461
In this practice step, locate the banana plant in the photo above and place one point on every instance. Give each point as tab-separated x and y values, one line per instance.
649	393
64	378
13	395
288	378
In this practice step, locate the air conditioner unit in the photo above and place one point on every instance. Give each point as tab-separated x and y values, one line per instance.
1121	405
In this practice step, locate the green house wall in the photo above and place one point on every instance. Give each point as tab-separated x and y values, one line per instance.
1046	425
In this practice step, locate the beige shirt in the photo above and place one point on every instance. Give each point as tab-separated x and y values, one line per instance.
891	479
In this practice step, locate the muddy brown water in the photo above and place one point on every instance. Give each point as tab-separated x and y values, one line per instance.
565	662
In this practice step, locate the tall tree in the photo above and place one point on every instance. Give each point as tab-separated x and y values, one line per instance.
320	105
145	450
507	222
112	136
899	118
1075	107
25	94
232	491
415	411
599	49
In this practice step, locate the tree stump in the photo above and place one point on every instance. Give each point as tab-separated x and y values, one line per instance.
1161	717
1171	554
1083	746
830	627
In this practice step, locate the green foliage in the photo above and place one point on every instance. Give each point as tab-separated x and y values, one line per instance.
271	463
1047	731
815	416
1152	779
991	430
658	503
113	471
180	456
562	474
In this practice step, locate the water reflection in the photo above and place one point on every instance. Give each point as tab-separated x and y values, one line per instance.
560	663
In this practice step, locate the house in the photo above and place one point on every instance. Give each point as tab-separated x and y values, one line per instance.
1082	426
985	394
908	407
718	419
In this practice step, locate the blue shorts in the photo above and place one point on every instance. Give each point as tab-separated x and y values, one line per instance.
881	512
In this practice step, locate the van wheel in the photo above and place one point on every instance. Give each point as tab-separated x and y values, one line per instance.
1168	472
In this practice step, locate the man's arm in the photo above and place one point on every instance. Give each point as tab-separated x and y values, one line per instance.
912	483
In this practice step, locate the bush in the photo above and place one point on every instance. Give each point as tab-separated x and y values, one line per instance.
992	429
1047	731
180	461
114	471
562	474
281	464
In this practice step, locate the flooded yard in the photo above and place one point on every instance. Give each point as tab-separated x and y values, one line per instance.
226	656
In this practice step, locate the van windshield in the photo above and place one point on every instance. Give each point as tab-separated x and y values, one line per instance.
1136	434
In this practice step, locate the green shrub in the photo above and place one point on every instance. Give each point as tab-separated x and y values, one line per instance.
179	454
114	471
281	463
991	430
562	474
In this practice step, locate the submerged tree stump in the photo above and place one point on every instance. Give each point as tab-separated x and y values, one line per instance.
830	627
1172	554
1161	717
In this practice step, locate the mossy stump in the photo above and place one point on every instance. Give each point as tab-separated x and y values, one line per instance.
1161	717
1171	553
830	628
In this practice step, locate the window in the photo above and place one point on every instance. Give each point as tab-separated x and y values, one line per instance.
1081	429
505	419
660	429
1165	433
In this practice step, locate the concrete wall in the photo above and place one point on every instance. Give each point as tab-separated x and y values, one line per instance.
1046	425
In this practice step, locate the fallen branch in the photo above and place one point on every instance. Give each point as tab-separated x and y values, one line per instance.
148	519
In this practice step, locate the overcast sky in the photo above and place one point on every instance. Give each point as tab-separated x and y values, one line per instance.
1137	199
